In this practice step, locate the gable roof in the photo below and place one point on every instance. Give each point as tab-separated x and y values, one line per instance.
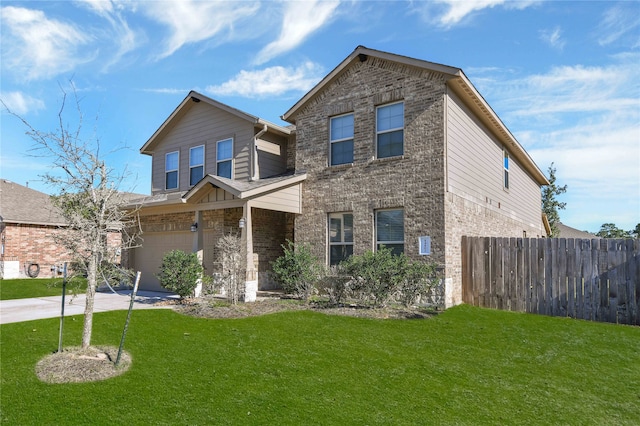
189	102
239	189
456	80
243	189
23	205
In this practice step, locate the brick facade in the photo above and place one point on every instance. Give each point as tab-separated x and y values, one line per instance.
467	218
413	181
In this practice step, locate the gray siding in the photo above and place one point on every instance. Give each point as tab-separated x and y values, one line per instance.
475	168
271	151
204	125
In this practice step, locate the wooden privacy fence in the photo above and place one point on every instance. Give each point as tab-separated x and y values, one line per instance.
596	280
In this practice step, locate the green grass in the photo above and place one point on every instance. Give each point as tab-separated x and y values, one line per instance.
38	287
465	366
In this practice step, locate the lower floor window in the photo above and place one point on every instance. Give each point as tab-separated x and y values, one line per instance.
390	230
340	237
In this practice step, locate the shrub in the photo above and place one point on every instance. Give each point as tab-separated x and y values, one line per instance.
335	286
419	280
379	277
297	270
375	275
180	272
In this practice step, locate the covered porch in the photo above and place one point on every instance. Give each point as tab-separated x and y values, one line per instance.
261	212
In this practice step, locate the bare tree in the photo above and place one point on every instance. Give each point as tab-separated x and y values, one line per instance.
88	198
232	255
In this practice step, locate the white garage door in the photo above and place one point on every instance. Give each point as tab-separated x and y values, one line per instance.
148	258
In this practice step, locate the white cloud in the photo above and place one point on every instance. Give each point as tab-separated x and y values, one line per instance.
125	38
300	20
20	103
192	21
270	81
447	13
618	22
553	38
35	46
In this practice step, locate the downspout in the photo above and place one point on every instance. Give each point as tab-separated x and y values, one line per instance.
254	153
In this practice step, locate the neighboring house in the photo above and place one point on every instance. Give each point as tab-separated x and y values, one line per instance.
386	150
569	232
28	224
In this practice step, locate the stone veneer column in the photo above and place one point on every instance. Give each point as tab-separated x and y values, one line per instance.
251	283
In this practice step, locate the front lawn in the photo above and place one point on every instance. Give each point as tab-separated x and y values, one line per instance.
465	366
23	288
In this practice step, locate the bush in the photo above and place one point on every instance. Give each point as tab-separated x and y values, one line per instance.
379	277
335	286
180	272
297	270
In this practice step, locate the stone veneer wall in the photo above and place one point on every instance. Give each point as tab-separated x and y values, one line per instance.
467	218
414	181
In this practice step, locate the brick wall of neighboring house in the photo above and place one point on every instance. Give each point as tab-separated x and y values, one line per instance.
35	244
29	244
414	181
468	218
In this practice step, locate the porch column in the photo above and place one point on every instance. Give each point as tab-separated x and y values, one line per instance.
198	244
251	283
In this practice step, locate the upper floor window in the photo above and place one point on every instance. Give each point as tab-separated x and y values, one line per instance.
224	157
390	230
341	139
171	161
196	164
340	237
390	130
506	168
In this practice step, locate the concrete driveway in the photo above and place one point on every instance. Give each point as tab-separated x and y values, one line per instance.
50	307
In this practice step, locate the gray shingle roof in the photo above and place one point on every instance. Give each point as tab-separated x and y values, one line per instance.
19	204
569	232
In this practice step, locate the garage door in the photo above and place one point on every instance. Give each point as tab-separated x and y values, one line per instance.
148	258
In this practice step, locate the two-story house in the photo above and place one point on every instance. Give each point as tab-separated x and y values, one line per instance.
387	150
217	170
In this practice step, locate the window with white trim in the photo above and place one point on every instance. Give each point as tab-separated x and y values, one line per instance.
506	168
196	164
341	139
171	161
390	130
224	158
340	237
390	229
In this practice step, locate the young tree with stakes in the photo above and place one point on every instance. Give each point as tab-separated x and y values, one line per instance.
87	197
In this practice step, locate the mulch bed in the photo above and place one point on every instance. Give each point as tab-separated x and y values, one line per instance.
74	365
213	308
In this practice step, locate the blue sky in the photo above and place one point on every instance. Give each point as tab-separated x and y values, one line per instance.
564	76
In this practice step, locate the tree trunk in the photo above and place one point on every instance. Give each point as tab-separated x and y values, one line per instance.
92	270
